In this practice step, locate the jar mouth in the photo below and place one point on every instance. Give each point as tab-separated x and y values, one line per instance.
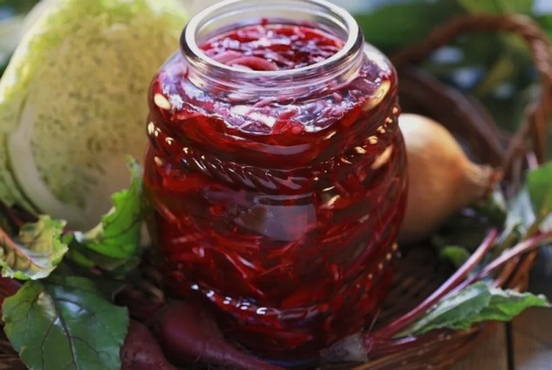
229	14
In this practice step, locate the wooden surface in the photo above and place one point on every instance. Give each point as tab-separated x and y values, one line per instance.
532	340
526	343
489	353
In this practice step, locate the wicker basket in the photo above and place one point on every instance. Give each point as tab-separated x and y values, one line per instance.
419	276
419	273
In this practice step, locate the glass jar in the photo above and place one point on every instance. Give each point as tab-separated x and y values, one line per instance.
276	172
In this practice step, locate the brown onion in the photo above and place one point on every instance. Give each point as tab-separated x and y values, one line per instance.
442	179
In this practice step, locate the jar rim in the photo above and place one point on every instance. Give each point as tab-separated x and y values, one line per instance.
209	74
191	47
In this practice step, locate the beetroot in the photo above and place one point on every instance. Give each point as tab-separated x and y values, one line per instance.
141	351
140	306
8	287
188	333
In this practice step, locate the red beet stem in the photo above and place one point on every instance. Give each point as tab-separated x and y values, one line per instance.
521	248
403	321
5	239
8	287
16	216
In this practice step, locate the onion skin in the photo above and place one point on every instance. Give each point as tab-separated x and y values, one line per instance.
442	180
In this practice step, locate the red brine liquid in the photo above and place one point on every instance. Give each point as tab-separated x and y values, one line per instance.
280	211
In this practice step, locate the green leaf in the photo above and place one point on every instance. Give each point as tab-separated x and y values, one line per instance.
505	305
497	6
500	71
17	6
390	25
545	21
37	251
539	182
519	221
118	234
455	254
476	303
65	324
114	244
520	213
455	311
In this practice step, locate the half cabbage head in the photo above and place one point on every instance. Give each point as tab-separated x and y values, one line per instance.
73	102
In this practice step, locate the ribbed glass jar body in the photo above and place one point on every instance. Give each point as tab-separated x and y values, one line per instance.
277	189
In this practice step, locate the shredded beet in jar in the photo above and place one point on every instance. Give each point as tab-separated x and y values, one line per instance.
276	175
271	47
